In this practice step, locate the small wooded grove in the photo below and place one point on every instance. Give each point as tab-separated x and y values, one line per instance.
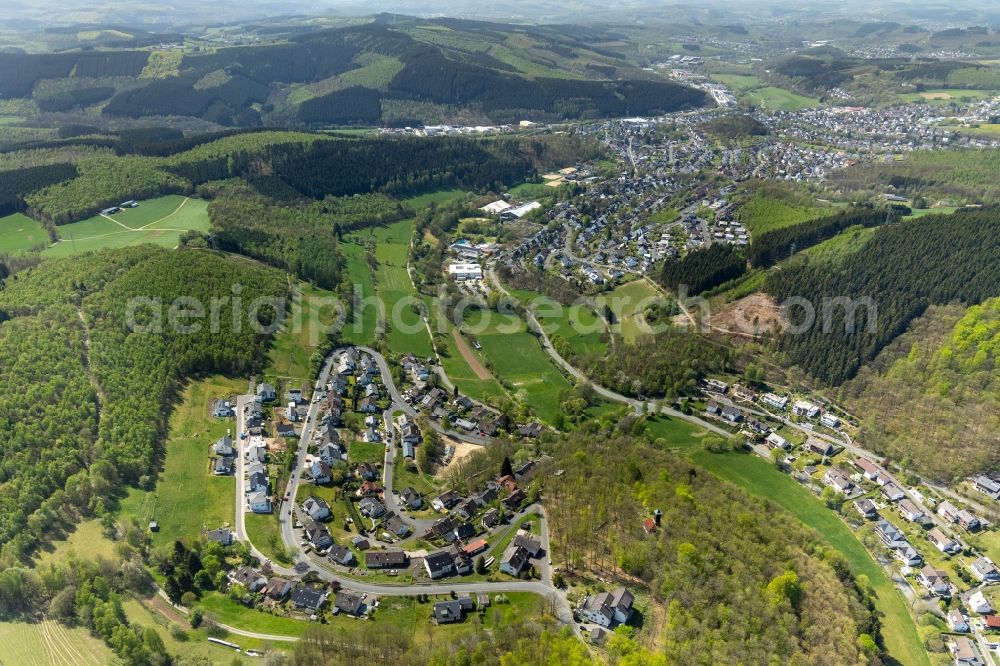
726	579
902	269
84	398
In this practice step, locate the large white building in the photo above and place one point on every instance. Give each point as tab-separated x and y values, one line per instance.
465	271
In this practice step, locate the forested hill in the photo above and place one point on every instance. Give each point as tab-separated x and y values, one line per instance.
903	269
372	74
83	396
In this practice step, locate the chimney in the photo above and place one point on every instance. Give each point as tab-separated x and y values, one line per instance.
657	516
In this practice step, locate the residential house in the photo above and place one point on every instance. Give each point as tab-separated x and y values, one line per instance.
608	608
837	479
316	508
948	511
372	435
514	560
359	542
985	570
330	453
411	498
934	581
341	555
829	420
466	509
441	527
491	519
348	603
308	599
818	446
371	507
803	408
968	521
320	472
943	542
909	510
221	536
868	469
732	414
395	524
892	492
513	501
249	578
866	508
222	409
957	621
366	471
385	559
447	612
439	564
257	480
224	447
258	502
776	401
223	466
979	603
278	588
369	405
369	488
446	500
530	430
776	441
488	494
408	451
463	531
988	486
533	546
475	547
286	430
266	393
965	652
318	535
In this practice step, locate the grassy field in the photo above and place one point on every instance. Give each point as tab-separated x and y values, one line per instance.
941	96
264	533
764	213
188	498
48	642
421	201
514	355
371	452
87	541
406	329
161	221
361	328
760	478
20	233
578	325
755	91
227	611
835	250
627	302
304	329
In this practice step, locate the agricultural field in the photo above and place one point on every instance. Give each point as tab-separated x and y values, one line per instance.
762	479
364	322
47	642
20	233
453	356
833	250
188	498
941	96
161	221
627	302
515	356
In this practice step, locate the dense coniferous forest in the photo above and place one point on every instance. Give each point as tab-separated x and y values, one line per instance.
701	270
774	595
19	72
16	183
772	245
903	268
84	395
302	239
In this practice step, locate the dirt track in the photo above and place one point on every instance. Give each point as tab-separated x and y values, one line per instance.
469	357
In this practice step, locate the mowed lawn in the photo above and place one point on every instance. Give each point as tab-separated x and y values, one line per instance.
20	233
627	302
516	356
760	478
48	642
188	498
161	221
